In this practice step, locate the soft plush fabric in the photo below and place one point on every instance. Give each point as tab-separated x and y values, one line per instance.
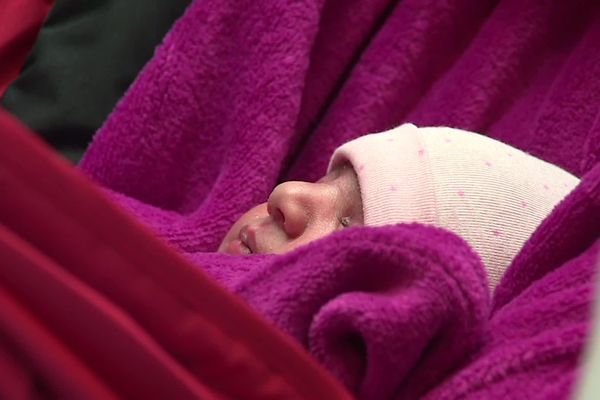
87	54
490	194
380	307
92	306
242	95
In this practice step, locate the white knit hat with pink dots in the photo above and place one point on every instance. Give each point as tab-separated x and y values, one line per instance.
490	194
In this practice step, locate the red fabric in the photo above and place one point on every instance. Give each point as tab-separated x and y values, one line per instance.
93	306
20	23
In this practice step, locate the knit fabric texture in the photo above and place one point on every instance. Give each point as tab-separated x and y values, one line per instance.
492	195
242	96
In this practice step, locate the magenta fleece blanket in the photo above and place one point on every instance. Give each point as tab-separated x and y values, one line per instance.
244	94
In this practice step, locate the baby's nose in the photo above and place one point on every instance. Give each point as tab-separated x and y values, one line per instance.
290	205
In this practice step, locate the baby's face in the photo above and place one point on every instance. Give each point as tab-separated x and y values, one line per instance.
297	213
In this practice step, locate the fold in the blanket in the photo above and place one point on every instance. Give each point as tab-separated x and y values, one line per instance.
540	316
241	96
387	310
93	306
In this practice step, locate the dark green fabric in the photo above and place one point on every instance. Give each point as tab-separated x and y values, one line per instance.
86	56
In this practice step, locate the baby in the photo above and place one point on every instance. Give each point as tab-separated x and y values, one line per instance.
491	194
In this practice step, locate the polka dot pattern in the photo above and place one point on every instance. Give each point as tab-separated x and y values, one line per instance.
490	194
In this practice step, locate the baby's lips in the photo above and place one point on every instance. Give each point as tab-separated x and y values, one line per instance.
248	237
236	247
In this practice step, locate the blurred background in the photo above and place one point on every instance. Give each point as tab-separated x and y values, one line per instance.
65	63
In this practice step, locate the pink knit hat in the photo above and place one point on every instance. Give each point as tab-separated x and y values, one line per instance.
491	194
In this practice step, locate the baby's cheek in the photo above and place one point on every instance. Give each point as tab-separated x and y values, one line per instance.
316	232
